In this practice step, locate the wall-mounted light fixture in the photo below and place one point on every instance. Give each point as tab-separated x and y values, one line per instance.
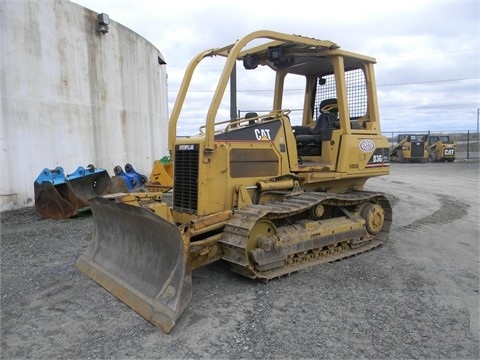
103	20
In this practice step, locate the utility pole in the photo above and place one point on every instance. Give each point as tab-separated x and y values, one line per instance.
478	117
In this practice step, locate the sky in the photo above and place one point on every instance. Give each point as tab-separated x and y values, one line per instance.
427	52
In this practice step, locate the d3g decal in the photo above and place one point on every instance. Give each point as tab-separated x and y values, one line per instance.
380	157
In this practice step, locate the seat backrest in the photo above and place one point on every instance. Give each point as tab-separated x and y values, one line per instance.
251	115
327	120
329	106
325	125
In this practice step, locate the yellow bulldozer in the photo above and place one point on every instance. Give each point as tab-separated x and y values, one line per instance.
259	192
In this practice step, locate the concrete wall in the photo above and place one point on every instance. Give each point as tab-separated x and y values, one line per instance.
71	96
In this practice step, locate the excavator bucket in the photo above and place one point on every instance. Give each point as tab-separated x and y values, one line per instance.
140	258
54	196
58	196
161	177
162	172
56	201
90	182
131	179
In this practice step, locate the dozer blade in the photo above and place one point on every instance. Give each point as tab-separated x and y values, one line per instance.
141	259
56	201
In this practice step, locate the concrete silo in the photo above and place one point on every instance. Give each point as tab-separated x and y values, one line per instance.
74	93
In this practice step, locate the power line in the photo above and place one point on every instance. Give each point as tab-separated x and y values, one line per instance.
429	81
378	85
388	108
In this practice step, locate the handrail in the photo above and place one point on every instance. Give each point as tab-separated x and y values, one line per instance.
230	124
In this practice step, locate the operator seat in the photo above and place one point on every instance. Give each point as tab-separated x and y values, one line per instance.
327	121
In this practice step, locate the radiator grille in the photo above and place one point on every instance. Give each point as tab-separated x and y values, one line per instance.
185	173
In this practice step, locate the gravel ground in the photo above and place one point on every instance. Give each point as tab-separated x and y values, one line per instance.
416	297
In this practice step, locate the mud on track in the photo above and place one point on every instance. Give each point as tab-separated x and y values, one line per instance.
417	296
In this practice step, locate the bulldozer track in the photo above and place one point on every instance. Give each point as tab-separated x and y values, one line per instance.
239	241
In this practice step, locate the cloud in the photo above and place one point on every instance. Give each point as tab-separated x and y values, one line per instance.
428	72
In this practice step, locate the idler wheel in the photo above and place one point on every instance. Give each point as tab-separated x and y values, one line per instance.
374	216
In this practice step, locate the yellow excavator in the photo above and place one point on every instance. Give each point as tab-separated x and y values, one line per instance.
259	192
